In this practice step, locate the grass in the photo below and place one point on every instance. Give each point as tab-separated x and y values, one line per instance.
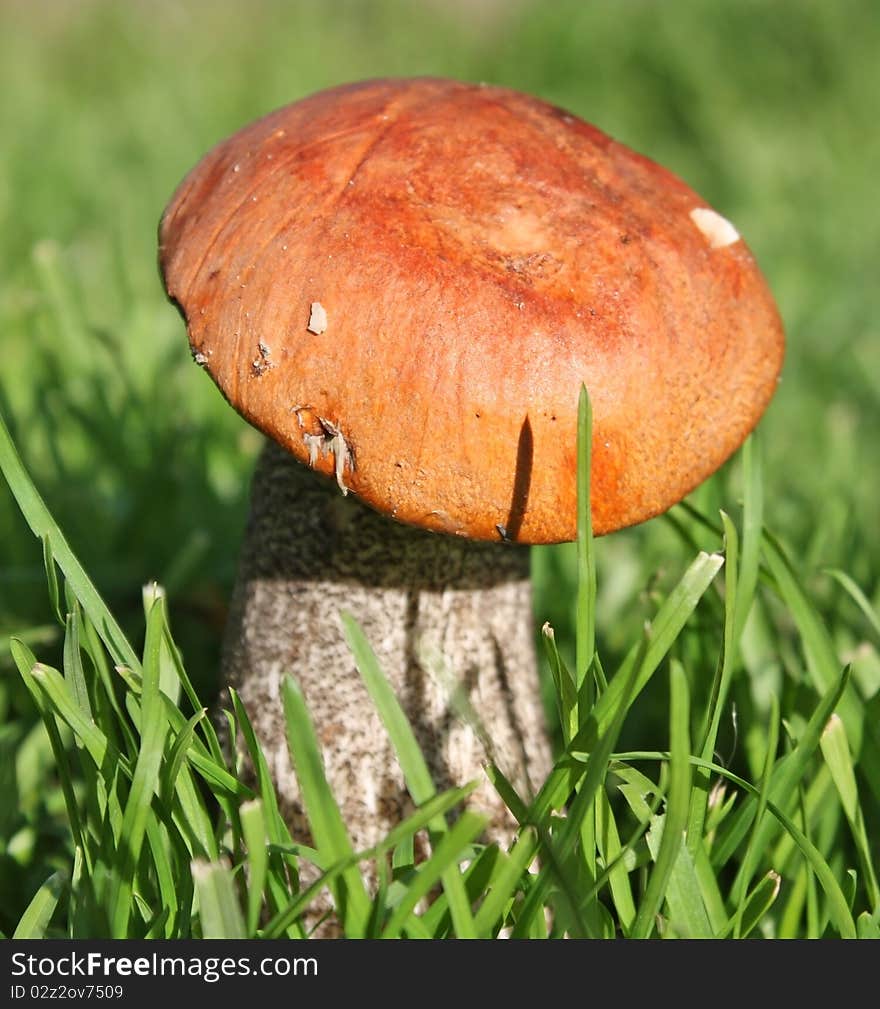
717	772
151	801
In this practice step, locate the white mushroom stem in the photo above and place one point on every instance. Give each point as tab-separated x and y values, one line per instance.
443	615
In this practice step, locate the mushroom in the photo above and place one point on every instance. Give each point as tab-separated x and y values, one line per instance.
404	284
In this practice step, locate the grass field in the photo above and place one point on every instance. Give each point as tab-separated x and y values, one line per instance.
768	110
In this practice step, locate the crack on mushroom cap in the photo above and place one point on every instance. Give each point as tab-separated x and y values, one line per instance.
328	440
260	365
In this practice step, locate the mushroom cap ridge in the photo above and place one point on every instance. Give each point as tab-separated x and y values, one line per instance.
405	282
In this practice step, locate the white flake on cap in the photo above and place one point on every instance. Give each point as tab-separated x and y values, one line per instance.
317	318
716	228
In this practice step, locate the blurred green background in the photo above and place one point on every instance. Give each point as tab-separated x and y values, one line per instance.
768	109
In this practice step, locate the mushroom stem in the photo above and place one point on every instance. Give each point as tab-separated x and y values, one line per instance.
445	617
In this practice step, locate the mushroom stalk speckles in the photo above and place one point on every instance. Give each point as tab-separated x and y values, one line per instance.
444	616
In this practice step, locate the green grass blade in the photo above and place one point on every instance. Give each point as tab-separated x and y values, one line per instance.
752	849
52	585
444	859
283	861
858	597
169	681
219	910
566	692
838	906
757	903
35	920
277	828
435	806
608	838
26	662
677	804
173	653
508	794
145	780
325	820
560	850
477	878
666	626
170	889
178	790
43	525
585	635
73	667
835	750
60	699
822	662
176	757
505	882
688	916
108	710
415	769
787	774
720	686
868	926
253	826
753	523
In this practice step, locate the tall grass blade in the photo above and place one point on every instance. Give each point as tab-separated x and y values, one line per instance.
505	882
753	530
858	597
666	626
436	806
566	693
43	525
73	667
677	804
27	663
720	686
838	906
219	910
757	903
145	780
561	848
612	852
412	762
835	750
787	774
752	849
34	923
585	639
171	891
822	662
253	826
325	820
62	702
446	856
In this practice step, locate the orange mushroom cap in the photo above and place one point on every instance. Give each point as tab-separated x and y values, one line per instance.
406	282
